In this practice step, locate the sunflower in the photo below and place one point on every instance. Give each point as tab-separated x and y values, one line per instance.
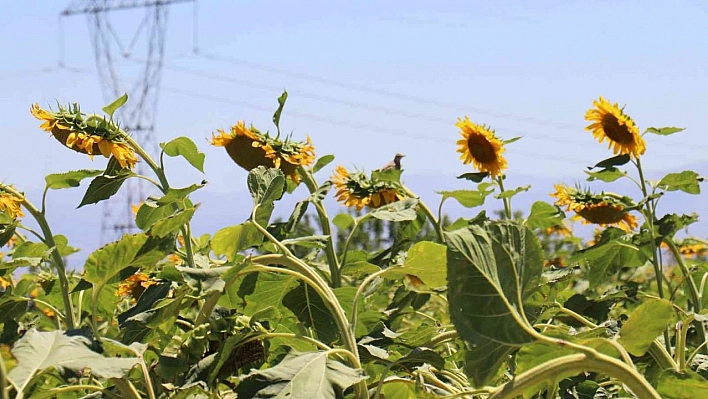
693	249
249	148
356	190
557	262
134	286
602	209
560	230
90	135
10	204
610	122
4	284
480	147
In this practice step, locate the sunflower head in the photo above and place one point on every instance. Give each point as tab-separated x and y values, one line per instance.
357	190
90	135
692	249
602	209
10	204
480	147
609	122
250	148
134	286
558	230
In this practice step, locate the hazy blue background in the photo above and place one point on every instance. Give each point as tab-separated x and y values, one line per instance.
369	79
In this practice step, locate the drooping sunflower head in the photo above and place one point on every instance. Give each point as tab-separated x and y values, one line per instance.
480	147
10	204
357	190
250	148
603	209
90	135
609	122
558	230
134	286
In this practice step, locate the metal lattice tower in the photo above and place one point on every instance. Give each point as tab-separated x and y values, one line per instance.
137	116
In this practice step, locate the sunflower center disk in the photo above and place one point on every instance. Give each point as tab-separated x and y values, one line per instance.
481	149
615	131
602	214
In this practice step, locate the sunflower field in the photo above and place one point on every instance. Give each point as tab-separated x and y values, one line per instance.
316	306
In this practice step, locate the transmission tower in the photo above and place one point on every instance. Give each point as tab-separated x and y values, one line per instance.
137	116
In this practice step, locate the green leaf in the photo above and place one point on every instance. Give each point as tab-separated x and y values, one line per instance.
613	252
488	269
607	175
417	357
104	187
149	213
397	211
344	221
359	269
645	323
686	181
310	309
427	261
20	262
664	131
466	198
317	241
7	231
105	263
231	240
544	215
474	177
172	223
296	216
511	140
111	108
511	193
617	160
300	376
281	104
183	146
58	181
322	162
179	194
686	385
37	351
388	175
266	184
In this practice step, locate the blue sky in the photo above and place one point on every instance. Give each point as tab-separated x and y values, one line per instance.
369	79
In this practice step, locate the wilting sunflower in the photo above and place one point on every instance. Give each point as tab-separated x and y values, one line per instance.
10	204
602	209
610	123
480	147
357	190
134	286
249	148
90	135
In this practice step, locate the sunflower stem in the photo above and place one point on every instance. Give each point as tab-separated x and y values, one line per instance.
164	186
507	201
334	266
658	266
692	288
56	256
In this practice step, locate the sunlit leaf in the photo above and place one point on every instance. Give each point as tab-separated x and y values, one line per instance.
281	104
322	162
172	223
645	323
310	309
300	376
466	198
106	262
427	261
397	211
613	252
111	108
681	385
544	215
511	193
607	175
343	221
37	351
178	194
230	240
664	131
686	181
70	179
185	147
